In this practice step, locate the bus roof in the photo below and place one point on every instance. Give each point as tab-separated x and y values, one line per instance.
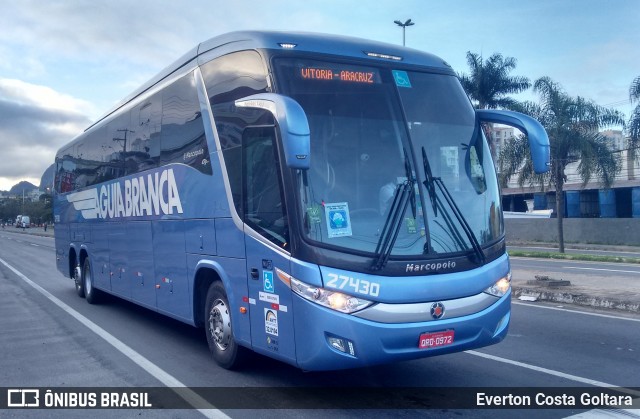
303	41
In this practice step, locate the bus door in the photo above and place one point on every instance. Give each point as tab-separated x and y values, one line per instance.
270	302
266	233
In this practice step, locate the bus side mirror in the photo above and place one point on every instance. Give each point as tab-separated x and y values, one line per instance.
292	122
538	139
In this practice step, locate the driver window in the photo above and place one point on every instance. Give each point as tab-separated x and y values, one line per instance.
263	203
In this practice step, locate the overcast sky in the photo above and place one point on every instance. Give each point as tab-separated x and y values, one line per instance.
65	63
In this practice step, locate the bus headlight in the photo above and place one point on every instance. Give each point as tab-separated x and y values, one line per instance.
332	299
501	287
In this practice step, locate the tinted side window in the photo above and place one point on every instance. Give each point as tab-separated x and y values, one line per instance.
144	148
227	79
118	144
263	203
65	171
183	139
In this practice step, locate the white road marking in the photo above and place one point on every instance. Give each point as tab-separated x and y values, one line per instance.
165	378
600	269
608	316
555	373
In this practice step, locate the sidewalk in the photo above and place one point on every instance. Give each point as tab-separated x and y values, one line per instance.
36	231
598	291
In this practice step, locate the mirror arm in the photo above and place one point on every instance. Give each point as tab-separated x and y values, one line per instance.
538	139
292	121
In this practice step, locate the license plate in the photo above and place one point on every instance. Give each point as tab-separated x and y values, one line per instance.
435	339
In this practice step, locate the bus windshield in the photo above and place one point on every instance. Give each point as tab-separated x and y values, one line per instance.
373	129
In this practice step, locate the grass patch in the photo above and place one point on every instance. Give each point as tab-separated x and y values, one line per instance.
572	256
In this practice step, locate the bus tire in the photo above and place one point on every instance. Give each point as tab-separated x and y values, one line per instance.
225	350
77	279
90	292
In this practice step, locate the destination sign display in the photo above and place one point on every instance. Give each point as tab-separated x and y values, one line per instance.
340	74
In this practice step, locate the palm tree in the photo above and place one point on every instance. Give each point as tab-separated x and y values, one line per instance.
573	125
634	126
489	83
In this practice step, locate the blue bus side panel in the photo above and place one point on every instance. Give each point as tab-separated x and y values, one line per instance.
80	233
62	248
200	237
99	256
230	240
173	292
141	271
118	259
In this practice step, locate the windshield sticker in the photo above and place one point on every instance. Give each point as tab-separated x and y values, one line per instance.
411	225
338	220
401	78
314	214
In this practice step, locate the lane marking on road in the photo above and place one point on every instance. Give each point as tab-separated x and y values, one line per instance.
555	373
600	269
607	316
165	378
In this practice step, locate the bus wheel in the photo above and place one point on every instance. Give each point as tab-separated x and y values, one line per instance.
77	278
90	292
226	352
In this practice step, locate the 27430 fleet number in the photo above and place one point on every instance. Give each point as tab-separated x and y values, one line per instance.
348	283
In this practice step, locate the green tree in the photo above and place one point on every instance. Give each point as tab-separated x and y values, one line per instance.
573	125
633	126
489	84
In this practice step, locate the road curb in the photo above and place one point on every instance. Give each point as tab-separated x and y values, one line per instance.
577	299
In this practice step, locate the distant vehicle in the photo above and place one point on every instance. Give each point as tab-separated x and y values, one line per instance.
548	213
326	201
23	221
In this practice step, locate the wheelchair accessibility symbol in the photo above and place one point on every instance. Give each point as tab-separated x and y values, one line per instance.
401	78
267	278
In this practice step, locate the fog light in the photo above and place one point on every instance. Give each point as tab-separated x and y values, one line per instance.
502	324
342	345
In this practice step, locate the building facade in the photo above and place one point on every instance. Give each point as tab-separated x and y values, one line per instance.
592	200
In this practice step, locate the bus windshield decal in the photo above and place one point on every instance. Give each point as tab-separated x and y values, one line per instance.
157	195
401	78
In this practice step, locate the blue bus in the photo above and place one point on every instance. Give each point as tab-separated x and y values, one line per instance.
327	201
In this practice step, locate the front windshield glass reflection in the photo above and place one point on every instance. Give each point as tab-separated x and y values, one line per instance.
362	149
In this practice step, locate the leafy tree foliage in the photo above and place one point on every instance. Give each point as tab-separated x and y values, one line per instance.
573	125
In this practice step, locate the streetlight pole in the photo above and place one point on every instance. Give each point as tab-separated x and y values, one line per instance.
404	25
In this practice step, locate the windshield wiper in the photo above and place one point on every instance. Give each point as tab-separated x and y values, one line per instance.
392	225
430	183
404	194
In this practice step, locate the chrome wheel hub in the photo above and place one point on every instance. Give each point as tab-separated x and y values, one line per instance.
220	324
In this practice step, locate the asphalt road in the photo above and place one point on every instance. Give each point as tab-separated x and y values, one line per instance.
58	339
